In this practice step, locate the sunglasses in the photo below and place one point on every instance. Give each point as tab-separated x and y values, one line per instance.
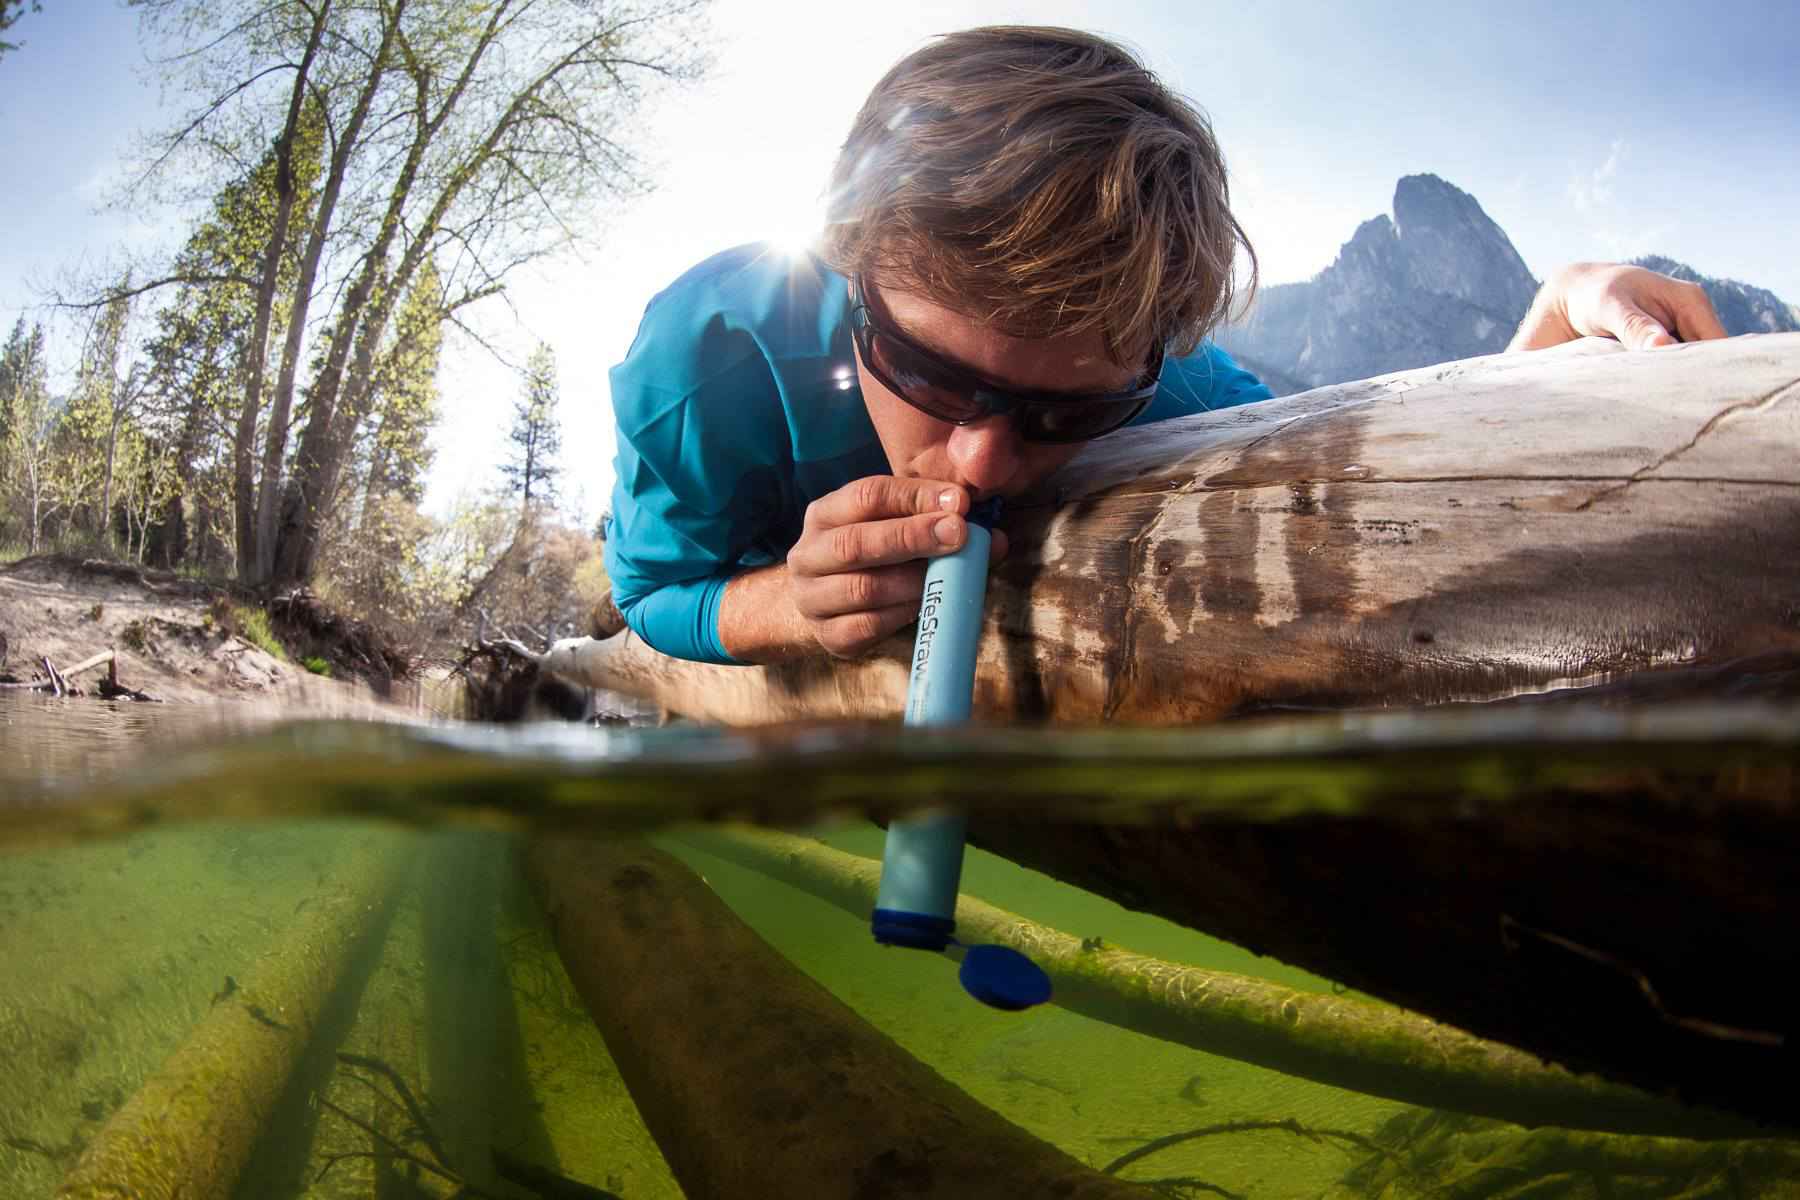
951	393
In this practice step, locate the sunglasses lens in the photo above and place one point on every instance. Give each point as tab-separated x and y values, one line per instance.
1075	422
921	381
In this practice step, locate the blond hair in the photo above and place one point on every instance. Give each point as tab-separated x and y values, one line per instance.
1042	181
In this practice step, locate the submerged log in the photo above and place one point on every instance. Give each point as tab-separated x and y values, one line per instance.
1471	531
753	1078
1343	1041
1632	923
189	1130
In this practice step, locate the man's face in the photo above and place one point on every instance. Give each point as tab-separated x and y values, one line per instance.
988	456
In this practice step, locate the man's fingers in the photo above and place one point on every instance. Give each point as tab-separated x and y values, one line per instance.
858	633
865	591
1695	318
877	543
877	497
1639	330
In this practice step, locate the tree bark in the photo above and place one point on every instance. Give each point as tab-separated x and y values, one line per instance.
275	439
1468	532
361	323
256	350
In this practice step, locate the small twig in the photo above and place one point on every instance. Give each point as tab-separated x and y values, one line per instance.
413	1108
1287	1125
1177	1184
400	1151
57	686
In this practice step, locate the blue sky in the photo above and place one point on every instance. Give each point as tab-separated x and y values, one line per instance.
1587	133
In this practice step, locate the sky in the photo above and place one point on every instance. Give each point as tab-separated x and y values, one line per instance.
1586	132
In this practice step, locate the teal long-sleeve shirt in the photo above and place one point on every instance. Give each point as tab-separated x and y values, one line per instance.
738	406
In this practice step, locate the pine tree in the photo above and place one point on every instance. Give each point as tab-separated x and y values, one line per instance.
536	435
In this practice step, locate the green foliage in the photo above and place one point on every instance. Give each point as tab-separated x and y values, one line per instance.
252	624
405	394
317	666
11	11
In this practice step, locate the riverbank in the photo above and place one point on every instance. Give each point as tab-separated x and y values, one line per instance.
187	641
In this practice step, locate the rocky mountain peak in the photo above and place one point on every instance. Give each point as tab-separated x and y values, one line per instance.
1456	249
1438	281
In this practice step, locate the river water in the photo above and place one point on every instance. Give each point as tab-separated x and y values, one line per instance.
179	882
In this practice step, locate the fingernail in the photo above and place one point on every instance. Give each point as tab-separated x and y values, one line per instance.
948	531
947	498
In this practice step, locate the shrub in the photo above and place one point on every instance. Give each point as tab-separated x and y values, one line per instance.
317	666
252	624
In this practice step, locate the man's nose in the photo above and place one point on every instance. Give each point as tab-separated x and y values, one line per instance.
986	453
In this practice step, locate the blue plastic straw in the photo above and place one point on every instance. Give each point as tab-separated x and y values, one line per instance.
921	866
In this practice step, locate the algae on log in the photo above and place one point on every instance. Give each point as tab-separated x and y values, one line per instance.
1469	531
1343	1041
189	1130
753	1078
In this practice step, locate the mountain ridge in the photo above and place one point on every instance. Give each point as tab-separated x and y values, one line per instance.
1438	280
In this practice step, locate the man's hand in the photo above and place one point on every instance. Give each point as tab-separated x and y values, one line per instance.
1640	308
856	574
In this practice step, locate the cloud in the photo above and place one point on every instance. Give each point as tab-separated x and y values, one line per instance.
1595	190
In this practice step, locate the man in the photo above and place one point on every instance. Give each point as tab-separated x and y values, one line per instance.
1029	237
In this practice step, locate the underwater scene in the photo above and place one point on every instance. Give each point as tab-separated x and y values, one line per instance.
427	959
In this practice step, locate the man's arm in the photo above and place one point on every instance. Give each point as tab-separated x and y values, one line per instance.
1640	308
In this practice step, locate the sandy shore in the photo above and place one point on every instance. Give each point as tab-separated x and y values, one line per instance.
165	629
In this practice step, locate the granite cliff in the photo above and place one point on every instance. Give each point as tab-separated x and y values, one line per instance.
1437	281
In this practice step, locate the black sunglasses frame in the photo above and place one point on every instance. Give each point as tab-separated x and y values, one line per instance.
1034	415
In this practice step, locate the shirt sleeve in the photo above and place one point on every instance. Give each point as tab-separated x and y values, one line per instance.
1205	380
700	435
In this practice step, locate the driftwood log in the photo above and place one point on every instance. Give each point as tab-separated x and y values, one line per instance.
753	1078
1472	531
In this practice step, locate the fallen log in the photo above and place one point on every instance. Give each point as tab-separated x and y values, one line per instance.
753	1078
1343	1041
189	1130
1471	531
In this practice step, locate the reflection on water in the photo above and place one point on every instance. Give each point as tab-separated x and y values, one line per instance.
379	1011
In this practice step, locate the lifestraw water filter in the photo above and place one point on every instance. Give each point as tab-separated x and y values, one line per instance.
921	866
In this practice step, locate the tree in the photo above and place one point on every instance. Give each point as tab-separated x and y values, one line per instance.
194	382
29	420
536	435
11	11
473	135
103	399
22	376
